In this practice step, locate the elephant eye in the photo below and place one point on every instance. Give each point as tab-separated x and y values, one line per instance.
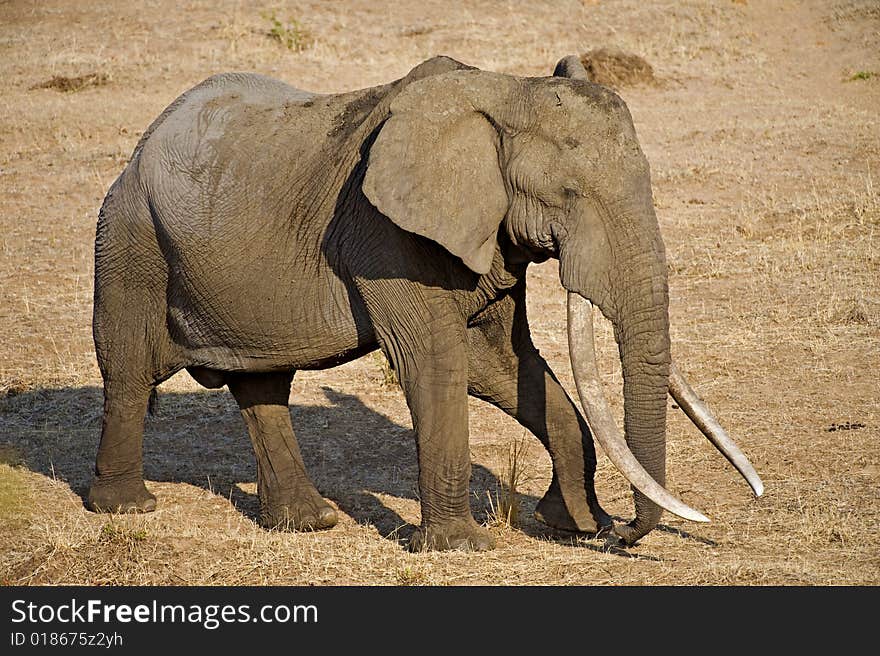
556	197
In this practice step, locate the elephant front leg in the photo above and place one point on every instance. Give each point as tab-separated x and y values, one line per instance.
507	371
288	498
434	380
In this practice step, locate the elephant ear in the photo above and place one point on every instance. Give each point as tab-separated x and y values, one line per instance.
433	169
572	67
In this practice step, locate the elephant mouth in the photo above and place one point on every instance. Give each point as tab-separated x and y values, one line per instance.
601	421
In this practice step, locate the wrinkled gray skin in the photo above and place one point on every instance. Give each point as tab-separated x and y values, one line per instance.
260	229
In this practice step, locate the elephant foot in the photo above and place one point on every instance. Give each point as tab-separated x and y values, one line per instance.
455	535
300	512
553	512
627	534
120	496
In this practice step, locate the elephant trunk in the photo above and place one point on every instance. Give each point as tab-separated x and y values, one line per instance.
640	457
645	358
635	298
647	376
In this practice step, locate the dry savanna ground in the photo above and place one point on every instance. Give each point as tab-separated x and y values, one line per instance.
763	134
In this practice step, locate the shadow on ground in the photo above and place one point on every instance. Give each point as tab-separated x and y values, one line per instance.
354	454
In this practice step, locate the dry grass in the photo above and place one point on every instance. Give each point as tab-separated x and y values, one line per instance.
73	84
504	504
612	67
766	163
386	371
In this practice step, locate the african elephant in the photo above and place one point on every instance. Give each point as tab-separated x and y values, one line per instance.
259	229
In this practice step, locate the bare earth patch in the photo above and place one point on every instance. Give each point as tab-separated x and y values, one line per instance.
73	84
765	162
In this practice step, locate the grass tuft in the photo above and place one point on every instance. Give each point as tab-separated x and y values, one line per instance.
862	75
114	533
504	506
409	576
388	377
291	33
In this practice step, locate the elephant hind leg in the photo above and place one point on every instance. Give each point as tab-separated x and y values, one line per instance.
134	349
288	498
134	354
118	485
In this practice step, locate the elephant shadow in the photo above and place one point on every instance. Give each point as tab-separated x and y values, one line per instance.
355	455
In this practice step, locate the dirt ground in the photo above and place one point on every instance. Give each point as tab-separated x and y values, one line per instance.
763	133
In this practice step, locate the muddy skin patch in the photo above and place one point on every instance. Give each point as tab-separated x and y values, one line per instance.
356	111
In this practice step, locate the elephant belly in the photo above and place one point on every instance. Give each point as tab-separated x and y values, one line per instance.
260	323
228	176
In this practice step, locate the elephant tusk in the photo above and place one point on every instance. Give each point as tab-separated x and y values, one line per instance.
598	415
688	400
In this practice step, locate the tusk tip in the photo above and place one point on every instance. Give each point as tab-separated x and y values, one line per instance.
691	515
752	479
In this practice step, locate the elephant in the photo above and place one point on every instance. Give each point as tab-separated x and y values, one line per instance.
259	229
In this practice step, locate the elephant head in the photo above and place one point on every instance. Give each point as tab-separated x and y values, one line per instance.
553	164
